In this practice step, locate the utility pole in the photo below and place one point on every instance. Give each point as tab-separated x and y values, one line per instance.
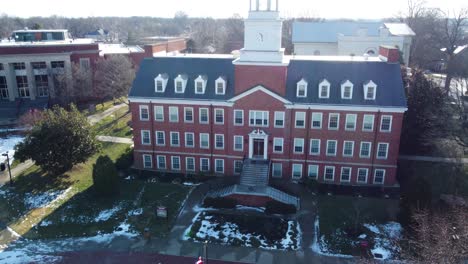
8	164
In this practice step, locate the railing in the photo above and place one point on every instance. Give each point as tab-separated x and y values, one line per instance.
282	197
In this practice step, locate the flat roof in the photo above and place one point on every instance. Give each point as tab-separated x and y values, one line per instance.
118	49
12	43
41	30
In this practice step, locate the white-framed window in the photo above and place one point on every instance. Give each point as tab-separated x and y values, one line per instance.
204	164
238	117
279	119
238	167
345	174
386	123
331	147
190	164
362	174
219	116
277	170
348	148
300	119
379	176
317	120
173	114
220	86
296	171
301	90
200	84
347	90
145	137
159	113
144	113
258	118
175	162
219	165
278	145
160	83
147	161
298	145
312	171
350	122
333	121
315	146
382	150
329	173
370	90
175	140
204	140
85	63
368	123
219	141
188	114
161	162
238	143
180	82
324	89
189	140
160	138
203	116
365	149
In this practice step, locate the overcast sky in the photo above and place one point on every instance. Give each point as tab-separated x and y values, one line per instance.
368	9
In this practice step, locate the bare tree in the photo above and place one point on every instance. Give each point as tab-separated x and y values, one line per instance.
82	82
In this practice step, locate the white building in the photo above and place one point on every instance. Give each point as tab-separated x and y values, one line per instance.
350	38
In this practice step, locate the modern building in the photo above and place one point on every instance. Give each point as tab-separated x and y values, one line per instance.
350	38
265	115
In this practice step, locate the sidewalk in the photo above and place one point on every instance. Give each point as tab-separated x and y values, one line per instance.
5	178
93	119
121	140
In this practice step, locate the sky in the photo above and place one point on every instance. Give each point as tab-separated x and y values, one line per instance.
353	9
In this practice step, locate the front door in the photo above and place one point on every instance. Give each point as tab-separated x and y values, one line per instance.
258	148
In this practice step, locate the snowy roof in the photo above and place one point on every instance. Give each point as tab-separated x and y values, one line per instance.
118	49
399	29
6	42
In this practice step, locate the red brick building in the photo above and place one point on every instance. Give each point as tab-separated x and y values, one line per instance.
334	119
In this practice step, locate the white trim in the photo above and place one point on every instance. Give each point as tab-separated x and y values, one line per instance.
383	176
183	82
336	147
220	80
386	152
207	115
281	170
172	163
301	83
354	123
350	173
160	78
216	122
178	138
317	167
367	175
389	126
324	83
355	108
216	166
162	112
201	164
147	111
193	139
263	118
325	173
373	121
164	138
282	145
170	114
234	167
185	115
186	164
234	119
216	141
165	162
242	143
366	86
347	84
201	80
312	120
370	150
352	149
298	140
178	101
275	118
144	161
337	121
259	88
149	137
303	119
310	146
300	171
208	140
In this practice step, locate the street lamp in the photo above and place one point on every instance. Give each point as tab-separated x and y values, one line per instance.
8	163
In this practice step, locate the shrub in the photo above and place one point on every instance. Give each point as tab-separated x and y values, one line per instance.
312	184
220	202
125	161
105	177
275	207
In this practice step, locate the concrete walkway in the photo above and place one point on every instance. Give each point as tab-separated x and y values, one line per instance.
121	140
434	159
93	119
5	178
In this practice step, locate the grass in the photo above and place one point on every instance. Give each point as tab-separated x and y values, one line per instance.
342	219
116	125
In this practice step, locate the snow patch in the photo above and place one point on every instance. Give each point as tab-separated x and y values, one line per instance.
46	199
243	207
107	214
321	247
45	223
135	212
8	144
191	184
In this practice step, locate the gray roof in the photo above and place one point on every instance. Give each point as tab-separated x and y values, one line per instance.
328	31
390	92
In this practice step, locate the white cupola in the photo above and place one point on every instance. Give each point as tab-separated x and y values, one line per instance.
262	34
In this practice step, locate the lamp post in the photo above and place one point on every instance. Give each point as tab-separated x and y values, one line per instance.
8	163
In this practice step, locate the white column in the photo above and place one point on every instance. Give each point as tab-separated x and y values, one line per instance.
50	80
10	77
250	147
265	147
31	81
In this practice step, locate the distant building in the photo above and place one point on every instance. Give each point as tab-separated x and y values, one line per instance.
350	38
101	35
264	115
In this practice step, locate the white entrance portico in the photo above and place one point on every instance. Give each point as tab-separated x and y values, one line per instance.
258	144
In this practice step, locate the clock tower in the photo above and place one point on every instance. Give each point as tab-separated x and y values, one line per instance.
263	34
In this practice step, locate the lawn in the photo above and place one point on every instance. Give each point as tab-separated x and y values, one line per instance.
345	220
43	206
116	125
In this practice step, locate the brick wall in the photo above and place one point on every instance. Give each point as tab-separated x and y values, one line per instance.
273	77
250	200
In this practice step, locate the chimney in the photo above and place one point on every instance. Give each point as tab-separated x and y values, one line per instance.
389	54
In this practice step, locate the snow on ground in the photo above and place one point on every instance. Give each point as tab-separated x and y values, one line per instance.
385	238
46	199
135	212
243	207
288	242
191	184
8	144
320	247
107	214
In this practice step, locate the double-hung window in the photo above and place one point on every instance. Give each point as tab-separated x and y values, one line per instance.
297	171
238	166
278	145
317	120
333	121
175	140
350	122
315	146
379	176
203	118
189	140
219	165
258	118
219	141
238	143
173	114
277	170
386	123
300	119
238	117
175	162
159	113
368	123
160	138
329	173
219	116
147	161
365	150
204	140
362	175
345	174
279	119
145	137
313	171
161	162
144	113
331	147
298	145
382	150
188	114
204	164
190	164
348	148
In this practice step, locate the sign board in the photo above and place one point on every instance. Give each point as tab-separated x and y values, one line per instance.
161	211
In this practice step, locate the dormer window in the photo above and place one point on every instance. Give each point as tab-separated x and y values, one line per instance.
200	84
160	83
347	90
324	89
180	82
370	90
220	85
301	90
